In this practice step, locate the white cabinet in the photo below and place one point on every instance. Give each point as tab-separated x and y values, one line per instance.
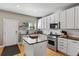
36	49
68	46
39	24
48	22
44	23
73	47
70	18
56	17
42	37
63	20
52	20
77	17
39	49
62	45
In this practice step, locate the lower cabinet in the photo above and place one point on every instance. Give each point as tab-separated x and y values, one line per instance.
68	46
73	48
62	45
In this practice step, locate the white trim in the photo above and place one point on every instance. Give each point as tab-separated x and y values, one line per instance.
1	46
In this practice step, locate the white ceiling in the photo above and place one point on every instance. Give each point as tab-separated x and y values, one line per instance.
35	9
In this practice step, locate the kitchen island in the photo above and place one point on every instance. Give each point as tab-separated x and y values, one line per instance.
35	46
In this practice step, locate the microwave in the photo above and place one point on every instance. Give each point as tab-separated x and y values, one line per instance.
55	25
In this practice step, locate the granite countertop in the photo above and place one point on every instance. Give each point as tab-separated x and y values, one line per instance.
31	41
71	38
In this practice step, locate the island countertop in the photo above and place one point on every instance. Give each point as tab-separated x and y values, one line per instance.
32	41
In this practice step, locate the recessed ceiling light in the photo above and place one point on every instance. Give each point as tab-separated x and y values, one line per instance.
17	6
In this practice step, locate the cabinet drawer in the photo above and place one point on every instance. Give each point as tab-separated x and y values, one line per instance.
62	39
73	41
62	49
64	43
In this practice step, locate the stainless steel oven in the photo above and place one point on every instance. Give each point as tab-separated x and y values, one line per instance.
52	42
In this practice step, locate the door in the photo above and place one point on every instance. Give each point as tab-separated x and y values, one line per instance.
10	32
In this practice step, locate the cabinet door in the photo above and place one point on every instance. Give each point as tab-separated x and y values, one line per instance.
62	45
39	24
70	18
73	47
63	20
42	23
52	18
48	22
40	49
77	17
57	19
45	23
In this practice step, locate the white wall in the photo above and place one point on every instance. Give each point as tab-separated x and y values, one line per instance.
21	18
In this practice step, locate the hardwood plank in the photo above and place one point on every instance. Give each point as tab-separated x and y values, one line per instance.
48	51
1	49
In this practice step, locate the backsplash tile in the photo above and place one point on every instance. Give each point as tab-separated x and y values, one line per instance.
73	32
53	31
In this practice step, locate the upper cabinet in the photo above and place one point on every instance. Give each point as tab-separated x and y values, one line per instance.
70	18
44	23
39	23
52	18
77	17
63	20
48	18
56	17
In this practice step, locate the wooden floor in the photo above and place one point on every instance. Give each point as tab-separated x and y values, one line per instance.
49	52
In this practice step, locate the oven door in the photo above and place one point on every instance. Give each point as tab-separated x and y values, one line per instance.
52	44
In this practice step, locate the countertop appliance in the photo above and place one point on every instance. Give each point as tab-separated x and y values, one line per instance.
52	41
55	25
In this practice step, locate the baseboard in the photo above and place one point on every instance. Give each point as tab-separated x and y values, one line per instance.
1	46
